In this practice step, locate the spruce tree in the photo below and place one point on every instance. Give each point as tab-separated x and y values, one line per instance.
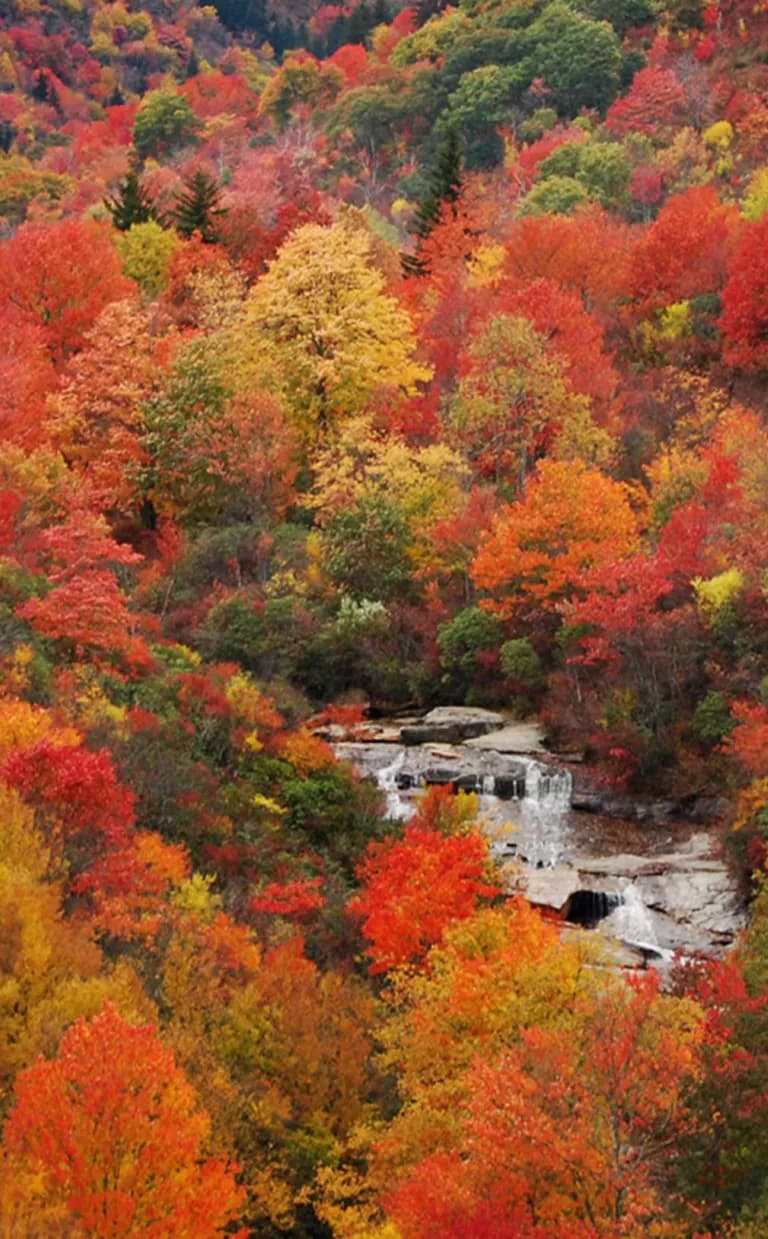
444	188
130	204
197	209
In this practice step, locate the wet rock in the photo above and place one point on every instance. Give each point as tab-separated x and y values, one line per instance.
509	786
551	888
467	783
440	776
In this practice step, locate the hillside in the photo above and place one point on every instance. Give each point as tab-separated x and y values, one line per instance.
357	361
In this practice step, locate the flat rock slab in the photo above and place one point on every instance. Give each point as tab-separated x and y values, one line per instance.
512	738
551	888
451	725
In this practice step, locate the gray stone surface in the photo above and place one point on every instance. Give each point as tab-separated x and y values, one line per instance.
451	725
511	738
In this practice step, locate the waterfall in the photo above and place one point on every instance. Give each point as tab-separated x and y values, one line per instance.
398	808
632	921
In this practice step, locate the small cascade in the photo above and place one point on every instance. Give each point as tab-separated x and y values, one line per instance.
632	922
387	779
542	817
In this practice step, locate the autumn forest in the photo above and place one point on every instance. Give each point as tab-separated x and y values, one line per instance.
356	361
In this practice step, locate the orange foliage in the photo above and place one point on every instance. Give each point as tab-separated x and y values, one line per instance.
113	1129
572	518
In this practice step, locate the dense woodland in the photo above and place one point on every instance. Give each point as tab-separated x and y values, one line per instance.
358	359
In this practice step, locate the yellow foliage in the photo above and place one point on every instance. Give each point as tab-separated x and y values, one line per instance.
713	594
320	323
485	266
343	1198
23	725
146	251
251	705
494	974
674	476
718	136
424	483
751	804
675	321
755	202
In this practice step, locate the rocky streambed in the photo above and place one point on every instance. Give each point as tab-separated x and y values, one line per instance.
651	881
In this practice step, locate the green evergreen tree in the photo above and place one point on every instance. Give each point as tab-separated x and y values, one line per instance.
198	208
444	189
130	204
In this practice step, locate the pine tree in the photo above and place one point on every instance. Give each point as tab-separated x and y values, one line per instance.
444	189
198	209
130	204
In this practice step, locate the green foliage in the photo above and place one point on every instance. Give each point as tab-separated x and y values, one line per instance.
165	121
557	196
444	189
521	663
712	719
198	209
603	168
131	203
579	59
482	101
147	250
462	641
365	550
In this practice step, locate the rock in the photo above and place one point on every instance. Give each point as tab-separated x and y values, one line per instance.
587	804
510	786
551	888
440	776
467	783
451	725
512	738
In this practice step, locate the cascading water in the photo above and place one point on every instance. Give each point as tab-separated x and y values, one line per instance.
397	807
632	922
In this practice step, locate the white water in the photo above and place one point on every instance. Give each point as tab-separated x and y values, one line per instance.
632	921
398	807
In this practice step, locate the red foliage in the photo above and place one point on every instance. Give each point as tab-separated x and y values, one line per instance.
74	791
413	888
59	277
744	320
292	900
685	251
655	102
559	315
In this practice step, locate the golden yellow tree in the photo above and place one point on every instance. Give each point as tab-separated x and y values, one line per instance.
321	322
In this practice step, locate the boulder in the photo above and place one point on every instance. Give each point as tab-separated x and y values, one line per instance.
451	725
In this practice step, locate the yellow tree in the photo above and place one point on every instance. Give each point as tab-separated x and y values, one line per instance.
321	321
